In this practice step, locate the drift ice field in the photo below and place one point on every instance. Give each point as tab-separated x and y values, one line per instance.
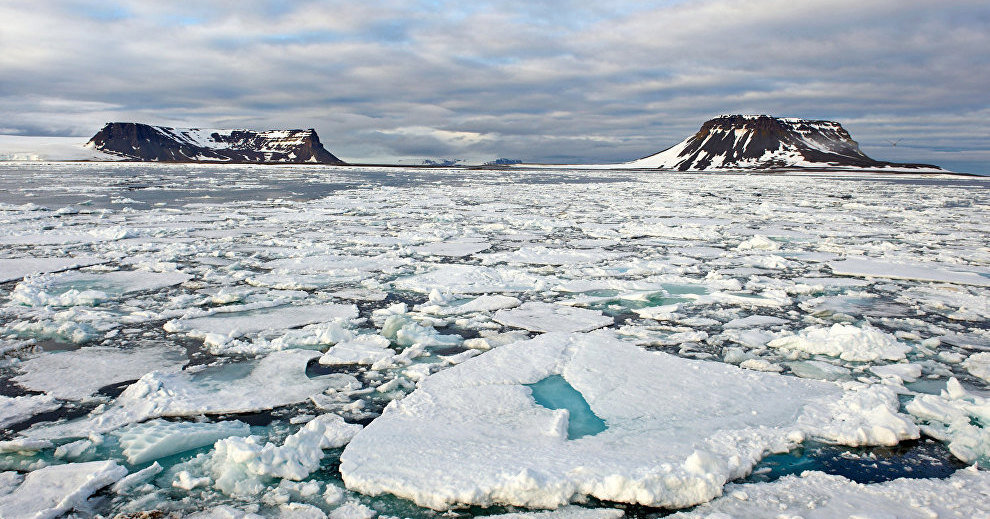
347	342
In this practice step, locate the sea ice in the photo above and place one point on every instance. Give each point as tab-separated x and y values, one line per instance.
157	439
16	268
848	342
957	417
85	288
677	429
946	273
55	490
276	380
978	365
816	495
20	408
239	465
78	374
364	349
237	324
549	317
470	279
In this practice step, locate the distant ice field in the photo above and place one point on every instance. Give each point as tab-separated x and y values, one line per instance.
314	341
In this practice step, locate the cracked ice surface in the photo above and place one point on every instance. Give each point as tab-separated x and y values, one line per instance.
289	293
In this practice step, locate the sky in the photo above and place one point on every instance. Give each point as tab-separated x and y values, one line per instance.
579	81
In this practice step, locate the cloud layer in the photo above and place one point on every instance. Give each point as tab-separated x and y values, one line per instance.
552	81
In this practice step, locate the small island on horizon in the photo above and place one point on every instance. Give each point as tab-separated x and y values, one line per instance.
723	144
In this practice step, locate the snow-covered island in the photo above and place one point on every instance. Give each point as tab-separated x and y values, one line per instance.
761	143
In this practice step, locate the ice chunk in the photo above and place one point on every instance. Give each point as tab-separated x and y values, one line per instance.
453	248
978	365
901	372
565	512
85	288
157	439
946	273
551	256
866	415
754	321
406	332
55	490
758	242
16	268
548	317
77	374
848	342
239	465
470	279
224	512
816	495
364	349
956	416
20	408
236	324
677	428
276	380
818	369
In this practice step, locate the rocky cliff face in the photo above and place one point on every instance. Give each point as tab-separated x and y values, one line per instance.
162	144
733	142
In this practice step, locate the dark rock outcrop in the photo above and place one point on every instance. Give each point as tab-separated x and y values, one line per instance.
144	142
733	142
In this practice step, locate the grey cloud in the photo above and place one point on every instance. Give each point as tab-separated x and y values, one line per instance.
566	80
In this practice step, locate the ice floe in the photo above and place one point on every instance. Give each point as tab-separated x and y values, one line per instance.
677	430
16	268
549	317
53	491
816	495
78	374
156	439
848	342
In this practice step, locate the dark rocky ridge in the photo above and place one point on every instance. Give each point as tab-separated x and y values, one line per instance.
144	142
762	142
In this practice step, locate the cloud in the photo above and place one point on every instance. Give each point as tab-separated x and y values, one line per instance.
564	80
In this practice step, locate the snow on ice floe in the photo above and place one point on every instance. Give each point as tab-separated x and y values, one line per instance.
53	491
816	495
276	380
848	342
16	268
220	329
157	439
677	429
20	408
240	465
471	279
85	288
78	374
946	273
957	417
549	317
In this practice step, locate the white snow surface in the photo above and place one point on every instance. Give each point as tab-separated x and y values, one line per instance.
946	273
78	374
548	317
677	429
846	341
16	268
156	439
276	380
816	495
53	491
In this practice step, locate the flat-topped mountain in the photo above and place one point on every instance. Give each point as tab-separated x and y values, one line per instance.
734	142
144	142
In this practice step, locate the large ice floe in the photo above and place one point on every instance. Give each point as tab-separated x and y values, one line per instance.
674	430
516	343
